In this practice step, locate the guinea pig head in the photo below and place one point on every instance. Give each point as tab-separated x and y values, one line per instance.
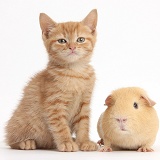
129	110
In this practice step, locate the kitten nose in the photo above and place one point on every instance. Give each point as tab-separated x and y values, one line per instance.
72	48
121	120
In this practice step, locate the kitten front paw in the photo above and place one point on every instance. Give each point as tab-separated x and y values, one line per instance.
68	146
88	146
145	149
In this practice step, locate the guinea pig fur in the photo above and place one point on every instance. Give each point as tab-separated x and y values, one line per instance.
129	122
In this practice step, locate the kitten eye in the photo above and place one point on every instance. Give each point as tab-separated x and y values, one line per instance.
81	39
135	105
62	41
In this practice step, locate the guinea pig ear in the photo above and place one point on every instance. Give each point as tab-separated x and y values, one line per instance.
109	101
149	101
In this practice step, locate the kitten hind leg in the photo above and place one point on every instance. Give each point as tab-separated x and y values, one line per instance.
24	145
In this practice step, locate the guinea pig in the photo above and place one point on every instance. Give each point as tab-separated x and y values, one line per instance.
129	122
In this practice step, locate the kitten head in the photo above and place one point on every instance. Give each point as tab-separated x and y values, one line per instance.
69	42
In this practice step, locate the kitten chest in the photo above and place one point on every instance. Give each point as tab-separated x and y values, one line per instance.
71	88
75	85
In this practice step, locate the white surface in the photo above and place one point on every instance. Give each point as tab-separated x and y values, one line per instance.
127	53
9	154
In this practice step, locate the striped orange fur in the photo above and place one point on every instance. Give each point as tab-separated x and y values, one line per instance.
56	101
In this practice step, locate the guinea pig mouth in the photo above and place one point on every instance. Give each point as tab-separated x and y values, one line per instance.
121	122
122	128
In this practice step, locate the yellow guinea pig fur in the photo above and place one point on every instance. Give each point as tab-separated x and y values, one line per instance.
129	122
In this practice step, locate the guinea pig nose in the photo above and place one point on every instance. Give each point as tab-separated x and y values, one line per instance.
122	120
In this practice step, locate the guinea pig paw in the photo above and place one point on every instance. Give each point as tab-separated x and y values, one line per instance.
145	149
105	149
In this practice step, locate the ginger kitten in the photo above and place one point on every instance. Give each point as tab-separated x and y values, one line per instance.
56	101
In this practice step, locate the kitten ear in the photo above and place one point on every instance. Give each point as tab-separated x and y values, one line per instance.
91	20
46	24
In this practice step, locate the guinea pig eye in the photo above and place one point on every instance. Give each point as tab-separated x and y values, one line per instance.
62	41
135	105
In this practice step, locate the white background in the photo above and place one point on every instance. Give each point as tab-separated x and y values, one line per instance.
127	53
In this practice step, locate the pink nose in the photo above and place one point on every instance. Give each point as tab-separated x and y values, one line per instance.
72	48
121	120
